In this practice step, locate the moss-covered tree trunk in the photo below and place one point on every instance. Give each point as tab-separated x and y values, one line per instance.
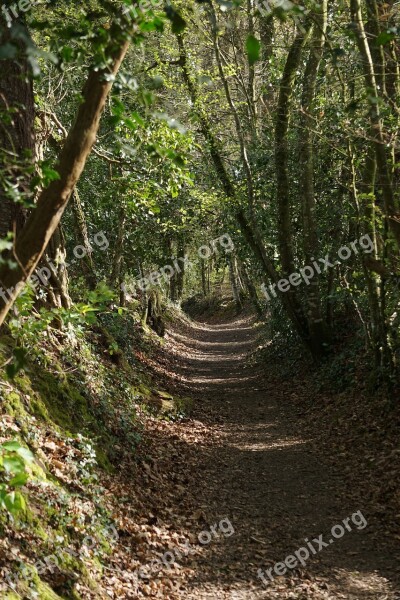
54	260
373	74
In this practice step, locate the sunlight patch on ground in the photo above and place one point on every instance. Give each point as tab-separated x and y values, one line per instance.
350	586
268	445
224	381
198	343
364	585
239	592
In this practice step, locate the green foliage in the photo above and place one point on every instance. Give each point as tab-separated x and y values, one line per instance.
32	323
253	47
14	459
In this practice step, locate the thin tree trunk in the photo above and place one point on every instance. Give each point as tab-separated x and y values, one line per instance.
144	295
116	273
203	276
267	32
234	284
83	237
251	288
251	86
236	117
180	275
290	303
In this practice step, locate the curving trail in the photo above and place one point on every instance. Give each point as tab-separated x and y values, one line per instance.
257	470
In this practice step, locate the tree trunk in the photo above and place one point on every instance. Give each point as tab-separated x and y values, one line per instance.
251	288
267	32
289	301
17	142
383	359
234	284
203	276
180	275
282	153
320	336
83	237
116	274
54	260
235	115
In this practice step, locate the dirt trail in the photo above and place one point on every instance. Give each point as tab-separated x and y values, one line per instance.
257	470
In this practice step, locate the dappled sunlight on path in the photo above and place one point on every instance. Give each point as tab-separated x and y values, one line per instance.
259	471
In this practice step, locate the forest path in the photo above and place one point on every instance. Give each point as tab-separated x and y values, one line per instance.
256	469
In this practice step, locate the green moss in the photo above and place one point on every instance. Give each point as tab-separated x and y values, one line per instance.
39	410
9	596
103	460
46	593
14	404
36	524
145	391
23	383
43	590
66	402
184	404
60	402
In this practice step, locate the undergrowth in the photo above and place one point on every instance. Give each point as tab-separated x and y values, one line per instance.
78	400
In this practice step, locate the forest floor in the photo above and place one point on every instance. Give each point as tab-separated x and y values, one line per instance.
246	463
